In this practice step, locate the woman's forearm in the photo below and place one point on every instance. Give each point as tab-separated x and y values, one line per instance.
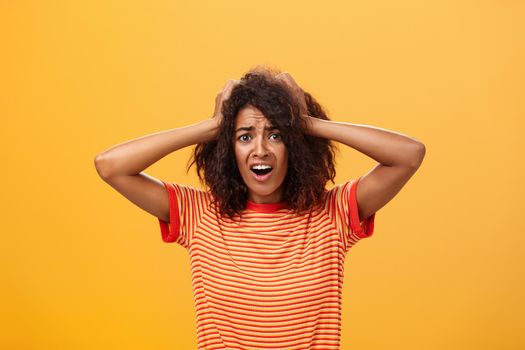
387	147
133	156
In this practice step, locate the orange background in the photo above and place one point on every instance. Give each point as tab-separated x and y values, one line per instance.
83	268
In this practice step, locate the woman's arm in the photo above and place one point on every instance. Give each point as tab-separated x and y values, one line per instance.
386	147
132	157
122	166
399	156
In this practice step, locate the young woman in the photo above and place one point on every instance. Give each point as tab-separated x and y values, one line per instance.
266	240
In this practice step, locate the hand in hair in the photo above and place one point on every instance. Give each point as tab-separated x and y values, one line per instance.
297	91
222	96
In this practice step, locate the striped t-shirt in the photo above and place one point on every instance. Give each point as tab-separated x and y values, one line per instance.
269	278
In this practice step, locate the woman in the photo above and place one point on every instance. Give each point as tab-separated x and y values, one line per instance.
266	241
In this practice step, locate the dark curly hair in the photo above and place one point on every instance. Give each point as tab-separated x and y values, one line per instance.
311	160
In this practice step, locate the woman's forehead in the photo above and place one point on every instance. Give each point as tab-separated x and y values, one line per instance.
251	116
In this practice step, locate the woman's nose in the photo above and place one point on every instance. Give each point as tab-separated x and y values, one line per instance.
261	147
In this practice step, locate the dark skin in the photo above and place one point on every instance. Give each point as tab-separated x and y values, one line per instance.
122	166
398	156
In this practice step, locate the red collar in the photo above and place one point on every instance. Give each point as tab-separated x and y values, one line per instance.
266	207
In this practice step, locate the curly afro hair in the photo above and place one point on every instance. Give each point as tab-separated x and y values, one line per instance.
311	160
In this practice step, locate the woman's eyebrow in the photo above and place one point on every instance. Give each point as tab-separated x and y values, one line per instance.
250	128
244	128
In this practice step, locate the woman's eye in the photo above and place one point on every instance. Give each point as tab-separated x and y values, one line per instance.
275	136
244	138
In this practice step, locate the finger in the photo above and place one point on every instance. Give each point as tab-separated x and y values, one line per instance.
287	78
229	87
282	76
228	83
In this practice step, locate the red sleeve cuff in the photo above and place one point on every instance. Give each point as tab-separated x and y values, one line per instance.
361	230
170	231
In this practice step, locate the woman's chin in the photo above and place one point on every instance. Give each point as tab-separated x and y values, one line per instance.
270	196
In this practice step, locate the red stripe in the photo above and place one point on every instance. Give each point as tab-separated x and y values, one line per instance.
170	232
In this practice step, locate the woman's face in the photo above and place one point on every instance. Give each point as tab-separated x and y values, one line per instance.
262	157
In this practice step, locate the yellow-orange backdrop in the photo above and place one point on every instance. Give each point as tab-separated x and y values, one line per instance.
83	268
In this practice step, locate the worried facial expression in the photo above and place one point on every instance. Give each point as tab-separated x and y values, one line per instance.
261	155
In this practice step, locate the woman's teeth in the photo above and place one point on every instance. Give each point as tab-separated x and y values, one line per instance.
261	169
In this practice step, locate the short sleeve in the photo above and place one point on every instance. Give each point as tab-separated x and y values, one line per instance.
187	205
343	209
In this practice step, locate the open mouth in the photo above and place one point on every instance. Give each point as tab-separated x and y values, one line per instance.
261	169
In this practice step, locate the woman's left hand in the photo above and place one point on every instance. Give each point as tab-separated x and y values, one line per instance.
296	90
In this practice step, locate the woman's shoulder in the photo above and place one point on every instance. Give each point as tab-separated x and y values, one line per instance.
338	188
189	190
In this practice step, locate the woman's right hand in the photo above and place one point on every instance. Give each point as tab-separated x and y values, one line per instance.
222	96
